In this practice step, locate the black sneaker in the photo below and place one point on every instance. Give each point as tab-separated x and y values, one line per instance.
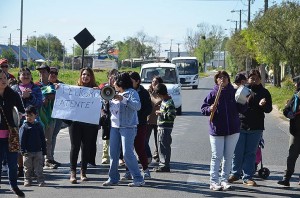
161	169
50	165
284	182
20	172
18	192
55	162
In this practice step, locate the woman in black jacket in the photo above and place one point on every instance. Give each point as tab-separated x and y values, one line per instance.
252	127
9	99
294	143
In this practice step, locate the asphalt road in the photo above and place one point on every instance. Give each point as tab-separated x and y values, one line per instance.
190	161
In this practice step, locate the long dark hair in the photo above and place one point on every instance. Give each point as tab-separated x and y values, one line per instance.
159	79
123	80
92	82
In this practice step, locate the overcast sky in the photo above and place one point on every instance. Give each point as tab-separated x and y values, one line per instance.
166	19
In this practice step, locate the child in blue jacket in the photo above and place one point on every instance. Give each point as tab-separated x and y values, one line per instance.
33	147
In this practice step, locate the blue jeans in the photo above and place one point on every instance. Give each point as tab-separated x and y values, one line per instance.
12	162
222	149
125	136
57	127
245	154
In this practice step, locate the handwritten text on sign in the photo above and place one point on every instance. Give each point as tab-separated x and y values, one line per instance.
77	103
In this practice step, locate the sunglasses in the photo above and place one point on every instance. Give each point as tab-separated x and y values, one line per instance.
53	72
4	66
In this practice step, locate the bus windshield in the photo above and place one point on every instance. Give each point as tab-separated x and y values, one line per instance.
186	66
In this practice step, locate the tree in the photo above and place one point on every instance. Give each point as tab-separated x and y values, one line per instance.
277	36
203	42
106	46
48	41
78	51
9	55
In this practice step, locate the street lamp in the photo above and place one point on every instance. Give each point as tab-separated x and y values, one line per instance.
240	16
10	35
234	22
73	55
28	49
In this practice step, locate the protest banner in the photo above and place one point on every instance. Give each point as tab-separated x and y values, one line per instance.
77	103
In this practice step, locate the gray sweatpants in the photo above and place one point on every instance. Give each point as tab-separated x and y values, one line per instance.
164	146
33	161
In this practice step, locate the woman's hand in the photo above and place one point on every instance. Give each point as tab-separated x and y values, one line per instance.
56	86
118	97
26	93
262	102
213	108
157	112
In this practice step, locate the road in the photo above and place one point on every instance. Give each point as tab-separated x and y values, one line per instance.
189	175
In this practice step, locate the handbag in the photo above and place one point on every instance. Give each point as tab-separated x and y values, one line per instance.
13	136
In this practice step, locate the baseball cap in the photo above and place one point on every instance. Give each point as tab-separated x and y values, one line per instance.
3	61
43	66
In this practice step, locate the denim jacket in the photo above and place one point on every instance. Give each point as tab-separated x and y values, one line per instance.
128	108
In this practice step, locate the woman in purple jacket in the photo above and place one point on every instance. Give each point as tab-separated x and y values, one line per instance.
224	129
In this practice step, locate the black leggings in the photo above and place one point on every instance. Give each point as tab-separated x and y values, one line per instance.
81	135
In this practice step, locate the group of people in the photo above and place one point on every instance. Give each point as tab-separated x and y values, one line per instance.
127	121
236	129
37	130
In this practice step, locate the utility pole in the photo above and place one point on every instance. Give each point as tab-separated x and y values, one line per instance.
64	51
249	11
240	20
263	66
171	50
266	5
21	33
178	50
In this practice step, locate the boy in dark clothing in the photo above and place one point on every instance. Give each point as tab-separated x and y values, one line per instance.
33	147
166	116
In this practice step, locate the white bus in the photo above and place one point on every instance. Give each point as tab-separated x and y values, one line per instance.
188	71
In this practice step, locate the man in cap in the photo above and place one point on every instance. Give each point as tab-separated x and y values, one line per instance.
53	78
46	111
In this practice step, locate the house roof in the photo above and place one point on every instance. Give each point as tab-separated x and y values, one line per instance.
32	53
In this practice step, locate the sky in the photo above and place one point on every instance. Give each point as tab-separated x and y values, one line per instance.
119	19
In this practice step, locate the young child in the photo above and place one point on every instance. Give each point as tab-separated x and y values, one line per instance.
165	121
33	147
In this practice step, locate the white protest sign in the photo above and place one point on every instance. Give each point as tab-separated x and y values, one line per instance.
77	103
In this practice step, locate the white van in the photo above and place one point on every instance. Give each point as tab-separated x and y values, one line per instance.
169	73
188	71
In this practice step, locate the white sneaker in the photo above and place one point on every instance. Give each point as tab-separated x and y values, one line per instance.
4	168
215	187
136	184
147	174
226	186
126	176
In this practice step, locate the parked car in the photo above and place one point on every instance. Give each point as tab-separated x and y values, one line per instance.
170	75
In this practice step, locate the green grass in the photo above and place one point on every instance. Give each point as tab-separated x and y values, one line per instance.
280	95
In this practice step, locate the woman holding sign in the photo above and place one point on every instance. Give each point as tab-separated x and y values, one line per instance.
82	134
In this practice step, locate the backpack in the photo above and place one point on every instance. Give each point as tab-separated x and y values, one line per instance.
291	109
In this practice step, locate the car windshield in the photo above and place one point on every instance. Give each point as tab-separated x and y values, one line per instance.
186	66
168	74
